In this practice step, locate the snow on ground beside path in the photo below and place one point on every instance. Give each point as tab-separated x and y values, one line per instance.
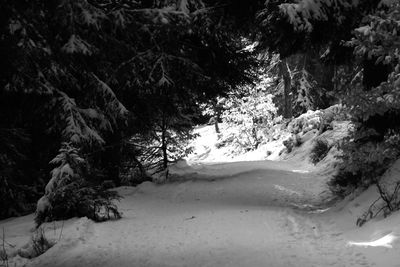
18	233
243	220
241	211
270	216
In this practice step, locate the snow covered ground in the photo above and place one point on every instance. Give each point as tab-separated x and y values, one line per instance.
236	212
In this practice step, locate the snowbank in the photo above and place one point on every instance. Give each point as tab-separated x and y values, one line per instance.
379	237
20	231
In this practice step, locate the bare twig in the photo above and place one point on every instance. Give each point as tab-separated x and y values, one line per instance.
39	242
390	204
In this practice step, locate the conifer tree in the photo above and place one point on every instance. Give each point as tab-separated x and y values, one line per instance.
96	72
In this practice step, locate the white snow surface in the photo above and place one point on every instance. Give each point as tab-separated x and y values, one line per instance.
236	212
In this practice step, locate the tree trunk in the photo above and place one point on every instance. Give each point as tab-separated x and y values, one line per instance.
216	116
287	83
255	138
164	143
216	126
165	156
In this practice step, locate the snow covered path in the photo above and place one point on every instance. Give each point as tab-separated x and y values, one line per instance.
232	214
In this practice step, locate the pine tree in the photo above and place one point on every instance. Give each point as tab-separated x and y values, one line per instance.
92	73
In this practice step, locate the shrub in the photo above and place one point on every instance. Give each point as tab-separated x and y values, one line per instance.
291	142
37	245
297	140
80	199
319	151
344	183
40	243
364	159
68	194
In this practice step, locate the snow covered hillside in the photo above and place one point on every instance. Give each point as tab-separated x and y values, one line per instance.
224	210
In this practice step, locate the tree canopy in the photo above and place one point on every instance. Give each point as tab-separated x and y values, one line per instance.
93	73
98	80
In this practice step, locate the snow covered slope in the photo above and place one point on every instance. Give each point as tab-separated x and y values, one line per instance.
210	147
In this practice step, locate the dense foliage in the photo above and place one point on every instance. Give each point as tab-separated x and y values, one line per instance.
374	106
91	74
358	41
319	150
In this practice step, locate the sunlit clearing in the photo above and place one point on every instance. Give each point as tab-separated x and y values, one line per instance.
385	241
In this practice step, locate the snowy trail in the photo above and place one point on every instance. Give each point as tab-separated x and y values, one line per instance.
238	218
